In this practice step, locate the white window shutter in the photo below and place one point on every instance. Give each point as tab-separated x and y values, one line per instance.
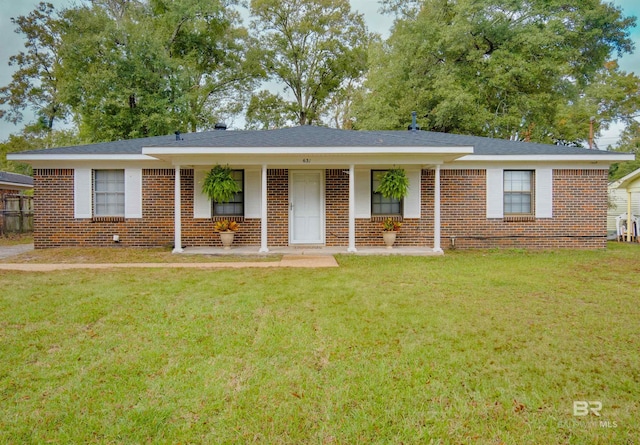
411	204
201	203
363	193
544	193
253	193
82	192
133	193
495	193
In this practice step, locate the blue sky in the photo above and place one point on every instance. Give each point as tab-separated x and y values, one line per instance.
12	44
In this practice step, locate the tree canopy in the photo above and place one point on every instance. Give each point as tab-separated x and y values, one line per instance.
313	47
35	83
523	69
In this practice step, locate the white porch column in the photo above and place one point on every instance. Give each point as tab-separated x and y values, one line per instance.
177	212
263	212
352	210
436	211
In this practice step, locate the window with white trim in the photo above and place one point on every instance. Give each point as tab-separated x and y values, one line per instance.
235	207
108	192
381	206
518	186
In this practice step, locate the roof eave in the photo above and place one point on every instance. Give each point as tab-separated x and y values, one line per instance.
608	158
412	150
31	157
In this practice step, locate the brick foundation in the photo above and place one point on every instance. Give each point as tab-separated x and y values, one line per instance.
579	214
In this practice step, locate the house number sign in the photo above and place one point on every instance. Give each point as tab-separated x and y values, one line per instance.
306	161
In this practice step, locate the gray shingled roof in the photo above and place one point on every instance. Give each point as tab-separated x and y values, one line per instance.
16	178
313	136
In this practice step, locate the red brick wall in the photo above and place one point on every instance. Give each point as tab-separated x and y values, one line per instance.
278	207
580	204
199	232
337	207
579	213
55	226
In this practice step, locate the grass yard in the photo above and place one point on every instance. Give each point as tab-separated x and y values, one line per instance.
472	347
15	239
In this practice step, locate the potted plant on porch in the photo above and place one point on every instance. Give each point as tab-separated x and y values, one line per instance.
220	186
390	229
227	230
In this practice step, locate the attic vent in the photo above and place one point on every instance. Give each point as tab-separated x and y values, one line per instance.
220	126
414	126
178	138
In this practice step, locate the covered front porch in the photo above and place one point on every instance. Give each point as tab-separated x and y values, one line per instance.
311	198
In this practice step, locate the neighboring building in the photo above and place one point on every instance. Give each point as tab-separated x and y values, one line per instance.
624	195
11	185
316	186
14	184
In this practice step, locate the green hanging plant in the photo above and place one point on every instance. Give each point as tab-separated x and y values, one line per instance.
219	185
394	184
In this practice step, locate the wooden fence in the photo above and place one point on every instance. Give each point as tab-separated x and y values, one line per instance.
16	215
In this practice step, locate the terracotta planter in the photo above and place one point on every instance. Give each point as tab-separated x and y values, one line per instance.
389	238
227	239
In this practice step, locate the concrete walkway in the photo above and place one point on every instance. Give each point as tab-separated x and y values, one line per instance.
297	257
9	251
299	261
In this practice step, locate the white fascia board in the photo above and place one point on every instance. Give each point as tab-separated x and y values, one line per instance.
14	186
77	157
526	165
625	181
605	158
168	151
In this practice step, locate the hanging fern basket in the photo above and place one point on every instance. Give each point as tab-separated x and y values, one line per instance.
394	184
219	184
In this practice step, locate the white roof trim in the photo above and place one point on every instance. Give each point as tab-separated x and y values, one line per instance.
77	157
609	157
15	185
629	179
303	150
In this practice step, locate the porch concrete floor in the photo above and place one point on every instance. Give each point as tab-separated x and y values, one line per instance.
310	250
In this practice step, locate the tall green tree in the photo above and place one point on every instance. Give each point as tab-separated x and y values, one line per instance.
35	82
34	136
629	143
514	69
312	47
141	68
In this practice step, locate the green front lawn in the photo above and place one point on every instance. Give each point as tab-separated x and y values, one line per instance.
472	347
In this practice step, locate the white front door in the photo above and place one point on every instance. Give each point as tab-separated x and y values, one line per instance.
306	207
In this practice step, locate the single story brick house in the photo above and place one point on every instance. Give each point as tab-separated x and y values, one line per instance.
316	186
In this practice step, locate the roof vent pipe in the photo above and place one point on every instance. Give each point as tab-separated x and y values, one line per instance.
178	138
414	123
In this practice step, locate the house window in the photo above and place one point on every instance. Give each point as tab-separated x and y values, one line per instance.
235	207
108	189
518	185
379	204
